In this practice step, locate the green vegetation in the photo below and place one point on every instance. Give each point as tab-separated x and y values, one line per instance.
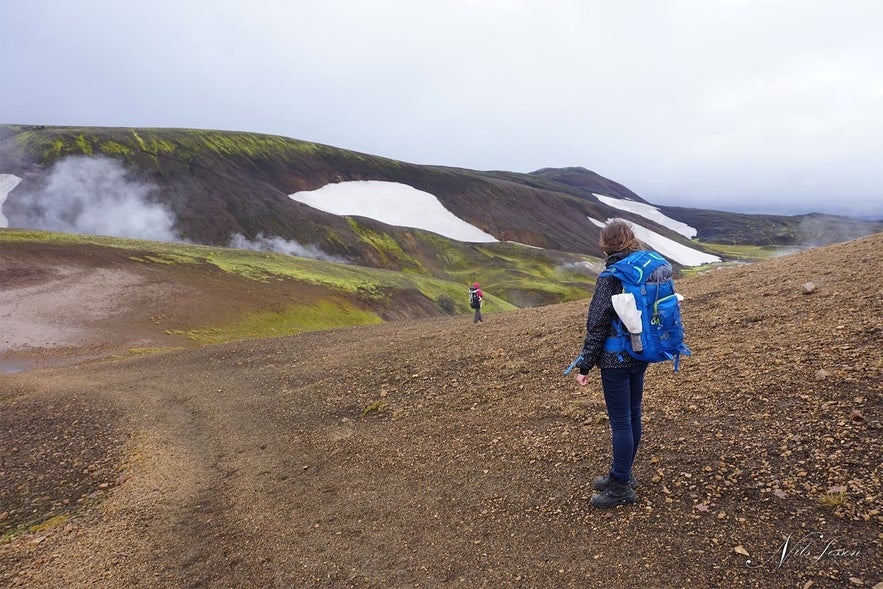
296	319
733	255
753	253
835	498
116	149
52	522
376	407
355	295
390	251
83	144
60	141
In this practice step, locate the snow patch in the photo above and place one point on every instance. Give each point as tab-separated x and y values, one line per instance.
394	204
683	255
649	212
7	183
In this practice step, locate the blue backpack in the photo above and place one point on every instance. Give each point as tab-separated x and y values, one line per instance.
648	277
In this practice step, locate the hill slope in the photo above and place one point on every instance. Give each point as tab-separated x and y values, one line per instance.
216	185
438	453
68	296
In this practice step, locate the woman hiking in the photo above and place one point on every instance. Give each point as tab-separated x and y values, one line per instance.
622	376
476	299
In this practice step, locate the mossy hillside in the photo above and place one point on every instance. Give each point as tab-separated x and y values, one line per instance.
325	314
746	253
360	294
388	249
185	145
240	181
254	265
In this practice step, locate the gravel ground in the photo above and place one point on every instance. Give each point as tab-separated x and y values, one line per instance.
438	453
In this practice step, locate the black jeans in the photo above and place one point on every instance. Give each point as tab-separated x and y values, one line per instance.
623	391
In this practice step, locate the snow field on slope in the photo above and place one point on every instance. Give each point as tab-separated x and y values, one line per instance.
669	248
394	204
648	212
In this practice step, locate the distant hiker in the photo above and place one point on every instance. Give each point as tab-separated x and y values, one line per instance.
622	376
476	298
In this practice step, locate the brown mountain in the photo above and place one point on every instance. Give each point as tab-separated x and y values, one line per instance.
218	184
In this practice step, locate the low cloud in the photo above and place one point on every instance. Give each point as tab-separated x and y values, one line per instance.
93	196
282	246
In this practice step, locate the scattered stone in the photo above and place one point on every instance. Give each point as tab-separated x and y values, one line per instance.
821	374
809	287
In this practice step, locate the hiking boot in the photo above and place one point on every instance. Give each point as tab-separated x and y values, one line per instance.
615	493
599	483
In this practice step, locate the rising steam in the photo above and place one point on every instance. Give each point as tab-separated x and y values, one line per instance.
94	196
282	246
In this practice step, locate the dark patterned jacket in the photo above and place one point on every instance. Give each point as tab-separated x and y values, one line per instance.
599	325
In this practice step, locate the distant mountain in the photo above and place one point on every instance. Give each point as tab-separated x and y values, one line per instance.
215	185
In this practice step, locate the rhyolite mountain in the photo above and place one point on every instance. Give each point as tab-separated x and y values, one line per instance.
218	184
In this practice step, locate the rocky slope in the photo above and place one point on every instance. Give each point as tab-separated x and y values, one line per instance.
438	453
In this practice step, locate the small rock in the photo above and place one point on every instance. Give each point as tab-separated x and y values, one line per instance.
856	581
740	550
809	287
821	374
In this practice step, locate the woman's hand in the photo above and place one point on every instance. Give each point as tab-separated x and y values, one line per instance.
582	379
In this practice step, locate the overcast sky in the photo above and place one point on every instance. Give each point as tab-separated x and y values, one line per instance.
753	105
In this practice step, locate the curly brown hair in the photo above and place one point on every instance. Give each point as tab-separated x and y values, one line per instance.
617	236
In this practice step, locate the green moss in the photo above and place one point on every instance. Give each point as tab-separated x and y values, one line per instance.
114	148
171	258
744	252
376	407
391	253
251	145
145	351
445	251
84	145
57	147
298	319
52	522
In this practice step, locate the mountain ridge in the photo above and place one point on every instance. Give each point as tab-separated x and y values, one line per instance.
242	180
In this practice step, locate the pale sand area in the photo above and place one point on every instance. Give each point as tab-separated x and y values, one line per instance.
67	307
